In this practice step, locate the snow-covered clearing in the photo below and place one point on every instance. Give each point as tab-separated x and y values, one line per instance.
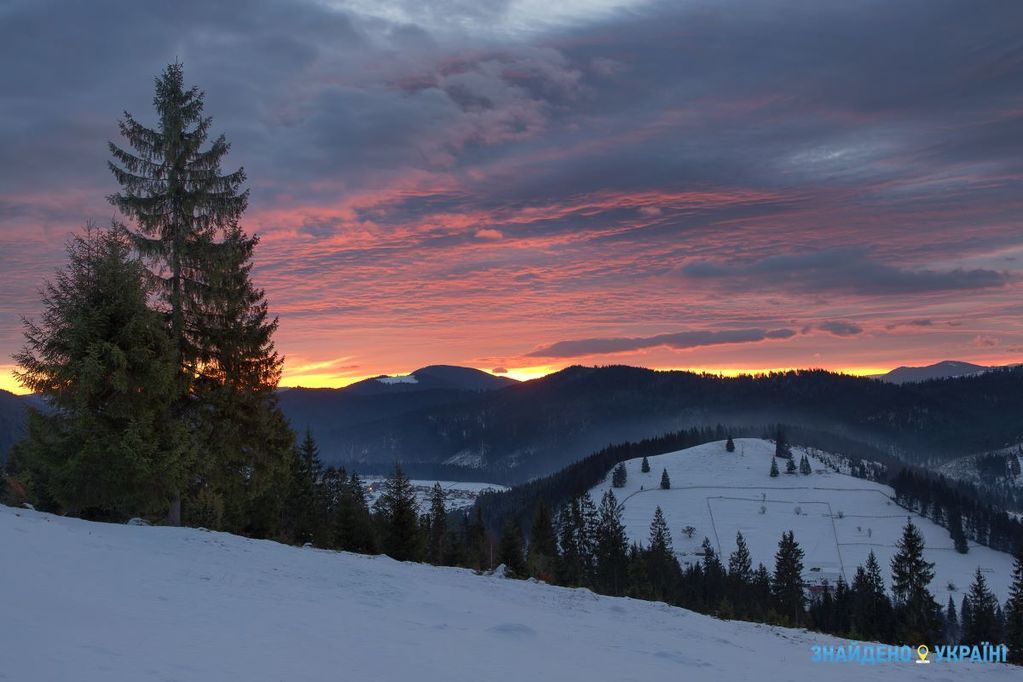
841	518
99	602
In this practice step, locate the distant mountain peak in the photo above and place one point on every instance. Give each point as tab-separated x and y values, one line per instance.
939	370
433	377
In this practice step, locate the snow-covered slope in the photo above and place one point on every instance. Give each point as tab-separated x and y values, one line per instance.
965	469
89	602
841	517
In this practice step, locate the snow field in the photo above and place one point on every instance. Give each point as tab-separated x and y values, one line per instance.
841	517
110	603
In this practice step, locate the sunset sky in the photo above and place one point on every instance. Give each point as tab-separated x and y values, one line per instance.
521	185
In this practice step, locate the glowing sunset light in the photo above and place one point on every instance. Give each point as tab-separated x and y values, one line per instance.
610	182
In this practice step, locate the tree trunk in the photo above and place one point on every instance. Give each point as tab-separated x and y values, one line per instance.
174	512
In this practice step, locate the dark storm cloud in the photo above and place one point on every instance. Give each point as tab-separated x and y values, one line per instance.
679	341
850	271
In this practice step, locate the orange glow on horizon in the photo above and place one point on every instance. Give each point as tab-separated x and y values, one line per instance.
8	382
327	380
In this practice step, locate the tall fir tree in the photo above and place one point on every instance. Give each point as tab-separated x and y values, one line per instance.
714	578
111	447
983	624
576	536
620	476
610	548
774	467
437	546
186	214
173	188
399	517
665	480
510	552
660	536
645	466
477	542
240	424
952	631
740	565
760	590
787	581
305	506
730	445
353	528
871	616
662	567
917	614
542	553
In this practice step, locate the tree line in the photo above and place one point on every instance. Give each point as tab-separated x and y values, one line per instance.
959	507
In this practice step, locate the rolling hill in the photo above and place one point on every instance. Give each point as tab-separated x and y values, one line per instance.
939	370
836	518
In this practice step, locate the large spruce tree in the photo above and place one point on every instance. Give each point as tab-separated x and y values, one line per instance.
239	422
173	188
787	581
398	513
185	212
104	362
436	548
918	615
509	550
662	569
871	616
981	622
611	548
305	507
353	528
740	565
542	555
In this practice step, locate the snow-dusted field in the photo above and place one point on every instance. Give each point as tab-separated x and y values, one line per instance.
841	517
98	602
458	494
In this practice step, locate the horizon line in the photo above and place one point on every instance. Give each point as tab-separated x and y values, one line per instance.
522	374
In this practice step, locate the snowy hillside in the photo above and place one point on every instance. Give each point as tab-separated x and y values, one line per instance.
90	602
966	468
840	518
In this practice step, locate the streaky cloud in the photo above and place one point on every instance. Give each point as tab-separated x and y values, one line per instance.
843	270
678	341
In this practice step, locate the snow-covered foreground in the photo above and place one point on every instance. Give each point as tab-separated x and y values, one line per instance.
841	518
457	494
85	601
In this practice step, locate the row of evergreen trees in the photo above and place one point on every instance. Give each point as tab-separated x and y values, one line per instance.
592	551
958	507
154	350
